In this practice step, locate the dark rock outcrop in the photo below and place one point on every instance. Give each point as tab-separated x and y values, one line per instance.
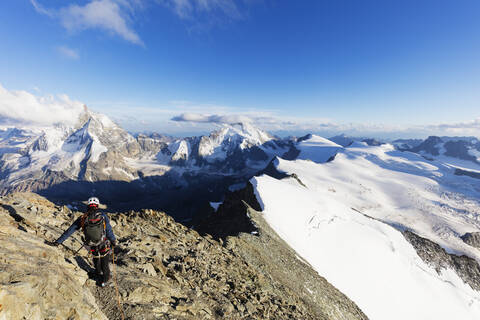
433	254
472	238
429	146
472	174
231	218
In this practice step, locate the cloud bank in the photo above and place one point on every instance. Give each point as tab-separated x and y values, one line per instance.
328	127
19	108
23	108
201	118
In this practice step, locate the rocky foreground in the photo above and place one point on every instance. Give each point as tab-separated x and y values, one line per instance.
163	270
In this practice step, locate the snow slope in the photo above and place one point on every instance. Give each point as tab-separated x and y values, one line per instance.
369	259
317	149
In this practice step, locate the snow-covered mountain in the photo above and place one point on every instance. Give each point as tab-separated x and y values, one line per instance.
404	144
96	149
352	214
463	148
234	149
345	140
235	146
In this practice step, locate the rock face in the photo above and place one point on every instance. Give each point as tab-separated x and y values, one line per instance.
35	280
472	239
461	172
430	252
163	270
232	217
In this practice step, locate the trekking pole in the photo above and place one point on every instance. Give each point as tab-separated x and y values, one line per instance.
60	232
78	250
116	285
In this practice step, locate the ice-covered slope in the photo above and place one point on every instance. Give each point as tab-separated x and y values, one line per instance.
368	258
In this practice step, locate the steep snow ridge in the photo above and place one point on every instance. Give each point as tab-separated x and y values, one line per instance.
212	147
367	259
180	149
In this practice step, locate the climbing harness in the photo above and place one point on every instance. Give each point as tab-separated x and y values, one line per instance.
116	286
101	252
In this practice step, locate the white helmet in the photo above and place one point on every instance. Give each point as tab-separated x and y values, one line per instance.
93	201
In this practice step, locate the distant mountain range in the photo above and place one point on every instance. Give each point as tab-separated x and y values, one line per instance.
96	156
463	148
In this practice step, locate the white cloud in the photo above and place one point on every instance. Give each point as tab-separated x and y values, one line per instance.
40	9
68	52
117	16
195	117
182	117
189	9
113	16
285	124
471	127
22	107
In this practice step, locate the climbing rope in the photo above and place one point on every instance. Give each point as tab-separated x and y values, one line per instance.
116	285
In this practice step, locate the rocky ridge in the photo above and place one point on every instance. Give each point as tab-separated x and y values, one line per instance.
163	271
36	281
467	268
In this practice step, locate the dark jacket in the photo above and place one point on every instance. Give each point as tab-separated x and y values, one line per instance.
78	225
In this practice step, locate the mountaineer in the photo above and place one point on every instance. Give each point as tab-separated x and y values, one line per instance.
98	237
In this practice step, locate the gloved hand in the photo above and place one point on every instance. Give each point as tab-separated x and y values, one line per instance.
114	244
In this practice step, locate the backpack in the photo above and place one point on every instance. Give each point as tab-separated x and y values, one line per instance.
94	228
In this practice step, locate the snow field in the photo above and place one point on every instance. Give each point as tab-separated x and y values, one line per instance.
369	259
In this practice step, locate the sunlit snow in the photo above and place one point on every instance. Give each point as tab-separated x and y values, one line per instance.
369	259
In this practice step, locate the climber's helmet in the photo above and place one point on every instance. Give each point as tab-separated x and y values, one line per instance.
93	202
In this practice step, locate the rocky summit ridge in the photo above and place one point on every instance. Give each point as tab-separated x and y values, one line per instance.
163	270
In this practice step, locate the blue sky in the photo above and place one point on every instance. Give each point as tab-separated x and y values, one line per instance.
384	68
